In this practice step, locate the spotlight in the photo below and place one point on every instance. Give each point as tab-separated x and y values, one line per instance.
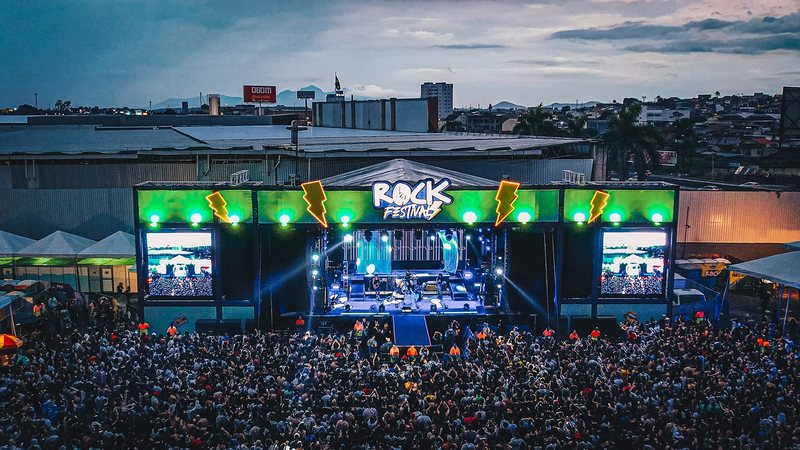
196	218
468	275
469	237
657	218
315	272
524	217
345	220
370	268
579	217
154	220
433	238
348	238
284	218
315	257
615	217
498	271
385	237
234	219
470	217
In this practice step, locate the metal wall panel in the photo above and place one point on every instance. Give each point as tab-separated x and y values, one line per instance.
739	217
92	213
103	175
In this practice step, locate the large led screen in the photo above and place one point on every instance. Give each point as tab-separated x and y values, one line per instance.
633	263
179	264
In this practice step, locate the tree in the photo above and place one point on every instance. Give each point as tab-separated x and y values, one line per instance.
626	139
684	141
26	110
63	106
576	126
535	122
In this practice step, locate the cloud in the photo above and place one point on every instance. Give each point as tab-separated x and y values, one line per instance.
468	46
636	30
555	61
747	46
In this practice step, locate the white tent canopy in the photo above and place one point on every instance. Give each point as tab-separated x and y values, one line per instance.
404	170
782	269
57	244
118	245
12	243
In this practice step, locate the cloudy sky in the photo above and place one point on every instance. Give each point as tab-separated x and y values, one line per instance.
126	52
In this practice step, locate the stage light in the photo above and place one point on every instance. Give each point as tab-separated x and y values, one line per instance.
470	217
154	220
385	237
345	277
358	261
468	275
615	217
370	268
433	238
498	271
389	249
579	217
524	217
196	218
348	238
469	237
345	220
657	218
315	272
284	218
234	219
315	257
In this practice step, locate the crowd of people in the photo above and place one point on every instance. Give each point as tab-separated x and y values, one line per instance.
665	386
181	287
627	285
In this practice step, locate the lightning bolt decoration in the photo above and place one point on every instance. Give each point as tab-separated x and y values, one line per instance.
217	203
315	198
599	202
506	196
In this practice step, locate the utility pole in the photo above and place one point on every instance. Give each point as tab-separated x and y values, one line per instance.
36	100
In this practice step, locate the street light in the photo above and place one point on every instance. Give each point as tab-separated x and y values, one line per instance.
296	127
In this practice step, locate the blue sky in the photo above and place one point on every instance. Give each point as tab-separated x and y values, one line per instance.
127	52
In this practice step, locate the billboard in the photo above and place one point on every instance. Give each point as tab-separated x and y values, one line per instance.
306	94
667	158
259	94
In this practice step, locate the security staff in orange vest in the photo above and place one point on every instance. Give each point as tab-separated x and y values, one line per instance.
412	352
172	330
394	352
455	351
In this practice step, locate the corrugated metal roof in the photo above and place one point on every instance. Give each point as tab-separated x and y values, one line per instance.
739	217
88	139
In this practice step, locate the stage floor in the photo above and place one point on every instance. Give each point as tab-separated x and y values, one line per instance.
423	307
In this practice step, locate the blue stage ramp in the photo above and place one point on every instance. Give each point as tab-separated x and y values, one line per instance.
411	329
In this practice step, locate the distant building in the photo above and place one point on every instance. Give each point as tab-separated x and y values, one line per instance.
661	116
213	104
442	91
393	114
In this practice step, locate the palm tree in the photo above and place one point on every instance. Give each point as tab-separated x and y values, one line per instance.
535	122
627	139
576	127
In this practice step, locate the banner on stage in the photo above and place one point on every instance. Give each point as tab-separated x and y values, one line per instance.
403	201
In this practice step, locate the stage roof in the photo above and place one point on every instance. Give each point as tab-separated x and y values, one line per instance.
12	243
57	244
782	269
793	245
404	170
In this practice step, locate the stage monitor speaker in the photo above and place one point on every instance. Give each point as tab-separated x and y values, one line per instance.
466	306
433	308
382	308
347	308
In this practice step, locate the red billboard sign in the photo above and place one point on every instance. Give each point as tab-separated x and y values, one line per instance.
259	94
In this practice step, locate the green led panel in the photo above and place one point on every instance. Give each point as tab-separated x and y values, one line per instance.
630	205
179	206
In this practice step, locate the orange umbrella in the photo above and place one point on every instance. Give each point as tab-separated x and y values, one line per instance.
9	342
